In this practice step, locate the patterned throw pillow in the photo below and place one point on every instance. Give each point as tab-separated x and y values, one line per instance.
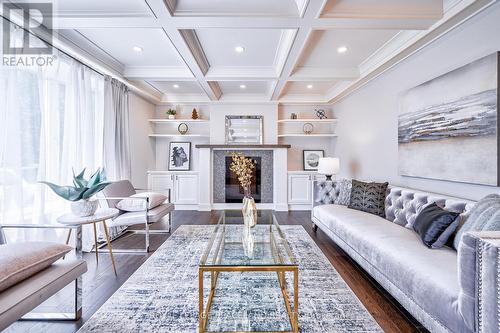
344	188
368	197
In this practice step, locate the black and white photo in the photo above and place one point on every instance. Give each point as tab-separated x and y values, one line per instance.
311	159
179	156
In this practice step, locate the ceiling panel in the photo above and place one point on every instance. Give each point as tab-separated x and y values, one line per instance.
237	7
301	88
249	87
385	8
101	7
260	46
321	50
177	87
157	50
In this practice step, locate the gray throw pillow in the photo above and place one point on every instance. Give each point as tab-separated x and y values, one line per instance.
344	192
484	216
368	197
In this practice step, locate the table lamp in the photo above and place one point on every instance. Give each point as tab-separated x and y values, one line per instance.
328	166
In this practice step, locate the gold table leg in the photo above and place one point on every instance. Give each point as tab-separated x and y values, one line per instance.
95	242
109	245
200	297
67	240
296	300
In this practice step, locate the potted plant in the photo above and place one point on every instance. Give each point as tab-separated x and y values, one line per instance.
171	113
82	191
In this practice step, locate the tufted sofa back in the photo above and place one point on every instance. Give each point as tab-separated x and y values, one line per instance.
402	205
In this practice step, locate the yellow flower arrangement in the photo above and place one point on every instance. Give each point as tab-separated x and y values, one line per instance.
243	167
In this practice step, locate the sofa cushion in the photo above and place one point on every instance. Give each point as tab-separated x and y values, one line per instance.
435	225
368	197
428	277
137	203
29	293
24	259
484	216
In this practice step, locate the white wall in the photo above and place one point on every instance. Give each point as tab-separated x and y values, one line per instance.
367	128
142	148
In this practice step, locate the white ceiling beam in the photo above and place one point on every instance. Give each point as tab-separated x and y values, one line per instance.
312	11
397	23
324	74
253	73
158	73
185	44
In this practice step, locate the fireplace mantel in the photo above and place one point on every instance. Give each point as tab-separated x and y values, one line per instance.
242	146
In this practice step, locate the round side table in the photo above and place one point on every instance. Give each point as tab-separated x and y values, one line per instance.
101	215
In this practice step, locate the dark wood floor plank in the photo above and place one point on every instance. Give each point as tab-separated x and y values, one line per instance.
100	283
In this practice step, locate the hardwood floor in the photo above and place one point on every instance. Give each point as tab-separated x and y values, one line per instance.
99	283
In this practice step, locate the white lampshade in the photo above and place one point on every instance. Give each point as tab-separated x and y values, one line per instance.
329	165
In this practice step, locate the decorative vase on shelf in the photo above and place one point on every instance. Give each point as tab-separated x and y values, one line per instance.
171	116
83	208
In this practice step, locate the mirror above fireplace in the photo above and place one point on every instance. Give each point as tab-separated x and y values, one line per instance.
243	129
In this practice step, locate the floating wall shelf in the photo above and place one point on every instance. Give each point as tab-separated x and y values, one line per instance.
178	135
325	135
313	120
188	120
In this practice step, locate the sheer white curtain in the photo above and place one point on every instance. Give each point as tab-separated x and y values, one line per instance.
116	130
51	121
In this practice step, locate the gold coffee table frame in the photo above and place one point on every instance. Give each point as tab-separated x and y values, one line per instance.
284	262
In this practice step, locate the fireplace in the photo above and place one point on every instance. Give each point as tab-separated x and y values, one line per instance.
233	190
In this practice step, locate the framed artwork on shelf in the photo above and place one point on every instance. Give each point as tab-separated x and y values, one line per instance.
179	156
311	159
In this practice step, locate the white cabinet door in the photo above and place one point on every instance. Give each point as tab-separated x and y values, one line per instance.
161	183
299	189
186	189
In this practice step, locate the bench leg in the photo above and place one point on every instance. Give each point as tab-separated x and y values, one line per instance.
60	316
314	226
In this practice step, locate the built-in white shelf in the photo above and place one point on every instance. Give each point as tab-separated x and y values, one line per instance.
318	135
304	120
187	120
178	135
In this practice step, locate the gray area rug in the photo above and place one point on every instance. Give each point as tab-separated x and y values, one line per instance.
162	295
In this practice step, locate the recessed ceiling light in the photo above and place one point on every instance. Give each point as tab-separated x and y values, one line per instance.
137	49
239	49
242	86
342	49
309	86
176	86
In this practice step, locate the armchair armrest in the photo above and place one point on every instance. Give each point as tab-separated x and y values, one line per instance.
479	280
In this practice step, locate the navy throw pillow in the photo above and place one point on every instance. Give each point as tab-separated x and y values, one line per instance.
435	225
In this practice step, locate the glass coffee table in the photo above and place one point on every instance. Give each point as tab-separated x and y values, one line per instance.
247	271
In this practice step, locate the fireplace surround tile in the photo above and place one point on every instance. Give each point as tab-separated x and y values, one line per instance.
219	173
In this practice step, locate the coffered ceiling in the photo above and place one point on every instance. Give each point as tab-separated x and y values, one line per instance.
297	51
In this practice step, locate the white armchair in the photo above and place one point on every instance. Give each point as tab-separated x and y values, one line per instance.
123	189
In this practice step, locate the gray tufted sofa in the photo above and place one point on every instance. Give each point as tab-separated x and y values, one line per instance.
444	289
